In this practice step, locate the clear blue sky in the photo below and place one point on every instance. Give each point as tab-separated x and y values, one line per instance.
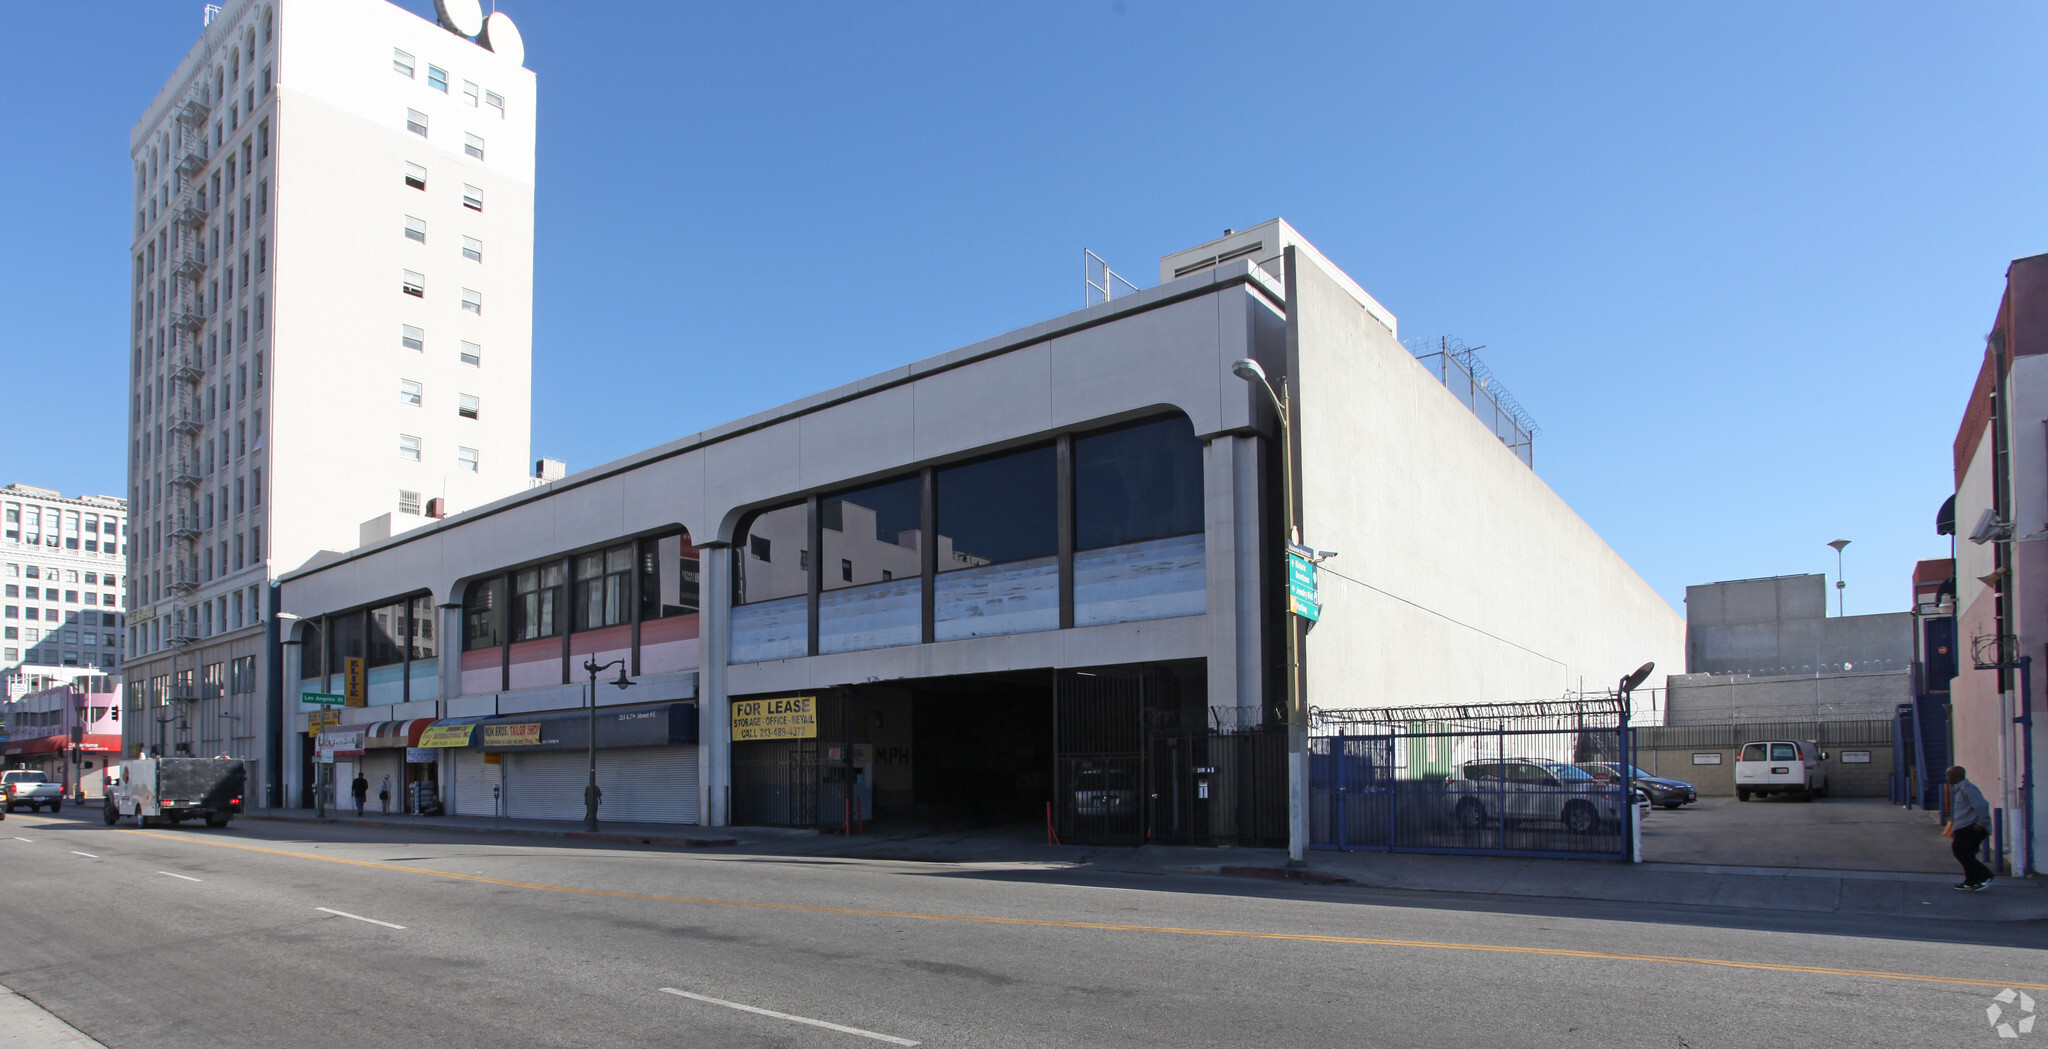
1737	259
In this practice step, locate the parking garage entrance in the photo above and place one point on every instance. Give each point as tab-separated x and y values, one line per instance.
1118	755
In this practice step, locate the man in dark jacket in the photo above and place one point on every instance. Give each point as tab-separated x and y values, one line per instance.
361	789
1969	824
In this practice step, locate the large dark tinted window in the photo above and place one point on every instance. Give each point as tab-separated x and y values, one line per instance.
871	534
603	587
536	600
770	560
425	643
1000	509
387	635
480	613
668	577
312	652
1136	483
345	640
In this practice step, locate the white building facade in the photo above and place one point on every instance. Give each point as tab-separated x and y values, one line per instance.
976	584
332	272
62	565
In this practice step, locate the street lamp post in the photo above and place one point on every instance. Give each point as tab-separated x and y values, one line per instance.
1840	586
590	791
1297	715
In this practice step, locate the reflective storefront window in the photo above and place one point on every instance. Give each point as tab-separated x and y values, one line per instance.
1139	548
998	546
771	584
872	570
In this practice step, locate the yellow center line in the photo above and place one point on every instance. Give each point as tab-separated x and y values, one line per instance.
1049	923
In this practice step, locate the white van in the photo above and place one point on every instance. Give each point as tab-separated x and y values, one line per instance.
1781	766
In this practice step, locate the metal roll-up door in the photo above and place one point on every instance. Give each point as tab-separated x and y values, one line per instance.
474	779
548	785
640	784
649	784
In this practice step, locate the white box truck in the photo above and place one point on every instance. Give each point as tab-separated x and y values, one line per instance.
173	790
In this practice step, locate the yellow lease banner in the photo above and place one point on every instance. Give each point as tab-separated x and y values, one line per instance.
320	719
791	717
446	735
512	735
352	682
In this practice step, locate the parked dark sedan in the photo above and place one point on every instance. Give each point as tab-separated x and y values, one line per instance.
1670	793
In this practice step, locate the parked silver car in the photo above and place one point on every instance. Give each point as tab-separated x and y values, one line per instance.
1520	790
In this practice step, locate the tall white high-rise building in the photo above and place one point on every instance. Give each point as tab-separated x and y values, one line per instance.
332	275
61	569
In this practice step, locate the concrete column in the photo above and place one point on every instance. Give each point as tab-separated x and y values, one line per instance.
451	655
714	720
290	659
1230	479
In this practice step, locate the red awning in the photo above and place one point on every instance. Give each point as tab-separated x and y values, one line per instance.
38	745
404	733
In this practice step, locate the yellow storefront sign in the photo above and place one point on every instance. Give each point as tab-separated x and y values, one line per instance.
446	735
790	717
353	684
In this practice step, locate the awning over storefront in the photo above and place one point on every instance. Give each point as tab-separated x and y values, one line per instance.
650	725
396	733
58	744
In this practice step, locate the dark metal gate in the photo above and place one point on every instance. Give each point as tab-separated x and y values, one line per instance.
775	784
1526	779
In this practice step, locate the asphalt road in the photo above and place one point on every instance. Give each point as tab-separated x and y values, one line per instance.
272	934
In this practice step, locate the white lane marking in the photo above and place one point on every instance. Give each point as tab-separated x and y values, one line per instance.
889	1038
87	855
168	874
357	917
31	841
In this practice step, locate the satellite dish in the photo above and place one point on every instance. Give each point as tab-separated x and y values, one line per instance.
465	17
502	36
1629	683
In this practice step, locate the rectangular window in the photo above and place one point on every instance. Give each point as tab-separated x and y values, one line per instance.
762	574
495	101
415	175
415	284
473	301
465	459
480	624
262	255
469	91
416	229
603	586
416	122
535	594
472	249
472	198
408	447
473	145
412	337
437	78
466	405
408	502
409	392
401	61
872	530
472	354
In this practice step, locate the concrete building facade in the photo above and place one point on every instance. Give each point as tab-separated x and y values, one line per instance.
331	276
1767	650
62	579
67	726
962	583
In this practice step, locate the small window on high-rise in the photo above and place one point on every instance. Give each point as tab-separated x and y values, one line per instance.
466	406
472	249
473	145
409	392
415	284
401	61
408	447
473	301
415	175
473	198
437	78
412	337
469	91
465	459
495	101
416	229
416	122
472	354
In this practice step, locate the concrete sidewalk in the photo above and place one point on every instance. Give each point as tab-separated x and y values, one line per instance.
1915	895
26	1025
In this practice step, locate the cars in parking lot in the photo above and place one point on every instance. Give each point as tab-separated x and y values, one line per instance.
1519	790
1781	766
1670	793
1105	792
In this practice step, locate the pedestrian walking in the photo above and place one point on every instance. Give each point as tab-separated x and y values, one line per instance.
360	787
1969	824
384	795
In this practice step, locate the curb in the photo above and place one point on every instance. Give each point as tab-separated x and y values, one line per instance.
1300	874
572	835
